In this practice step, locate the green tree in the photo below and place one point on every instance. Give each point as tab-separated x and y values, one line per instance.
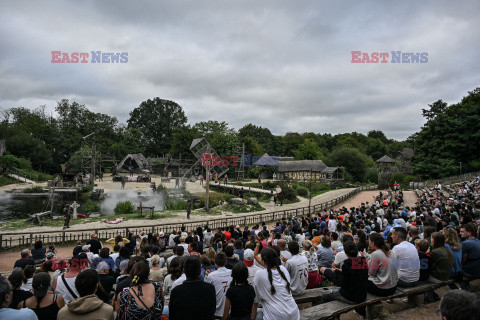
158	120
377	134
308	150
354	162
182	139
263	136
375	148
451	135
222	138
252	146
290	142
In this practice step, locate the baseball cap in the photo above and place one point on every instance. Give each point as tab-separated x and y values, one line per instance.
86	247
50	255
399	223
248	257
161	234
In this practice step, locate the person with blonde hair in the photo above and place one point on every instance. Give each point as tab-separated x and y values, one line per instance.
453	243
210	254
156	273
314	279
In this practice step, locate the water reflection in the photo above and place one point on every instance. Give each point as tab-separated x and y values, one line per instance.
20	208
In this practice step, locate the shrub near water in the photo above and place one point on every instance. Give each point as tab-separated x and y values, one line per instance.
91	206
124	207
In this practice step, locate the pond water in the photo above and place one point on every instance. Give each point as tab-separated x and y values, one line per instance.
20	208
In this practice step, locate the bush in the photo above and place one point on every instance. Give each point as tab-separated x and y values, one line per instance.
320	187
371	175
24	164
289	194
178	204
124	207
302	191
87	189
269	185
214	198
10	160
91	206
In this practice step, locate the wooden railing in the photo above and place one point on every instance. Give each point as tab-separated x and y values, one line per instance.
16	239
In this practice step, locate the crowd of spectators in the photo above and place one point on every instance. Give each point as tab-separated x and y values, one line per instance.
256	272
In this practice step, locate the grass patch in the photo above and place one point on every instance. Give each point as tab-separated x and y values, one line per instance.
164	215
290	201
243	208
4	181
264	198
314	194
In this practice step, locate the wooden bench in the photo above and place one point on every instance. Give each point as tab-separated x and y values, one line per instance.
336	308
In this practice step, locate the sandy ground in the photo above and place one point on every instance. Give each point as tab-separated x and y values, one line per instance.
409	197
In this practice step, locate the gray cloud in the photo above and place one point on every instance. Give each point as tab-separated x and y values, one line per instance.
277	64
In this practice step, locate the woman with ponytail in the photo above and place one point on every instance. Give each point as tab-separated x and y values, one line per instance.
272	286
382	276
44	303
144	299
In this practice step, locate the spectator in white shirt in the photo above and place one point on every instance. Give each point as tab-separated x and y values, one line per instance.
220	279
272	287
297	267
248	258
332	224
407	262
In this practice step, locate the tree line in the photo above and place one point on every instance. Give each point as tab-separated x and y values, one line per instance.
158	127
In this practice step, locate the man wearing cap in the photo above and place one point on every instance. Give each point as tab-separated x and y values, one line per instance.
88	253
95	244
248	258
162	241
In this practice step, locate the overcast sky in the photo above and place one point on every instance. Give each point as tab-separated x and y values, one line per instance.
284	65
